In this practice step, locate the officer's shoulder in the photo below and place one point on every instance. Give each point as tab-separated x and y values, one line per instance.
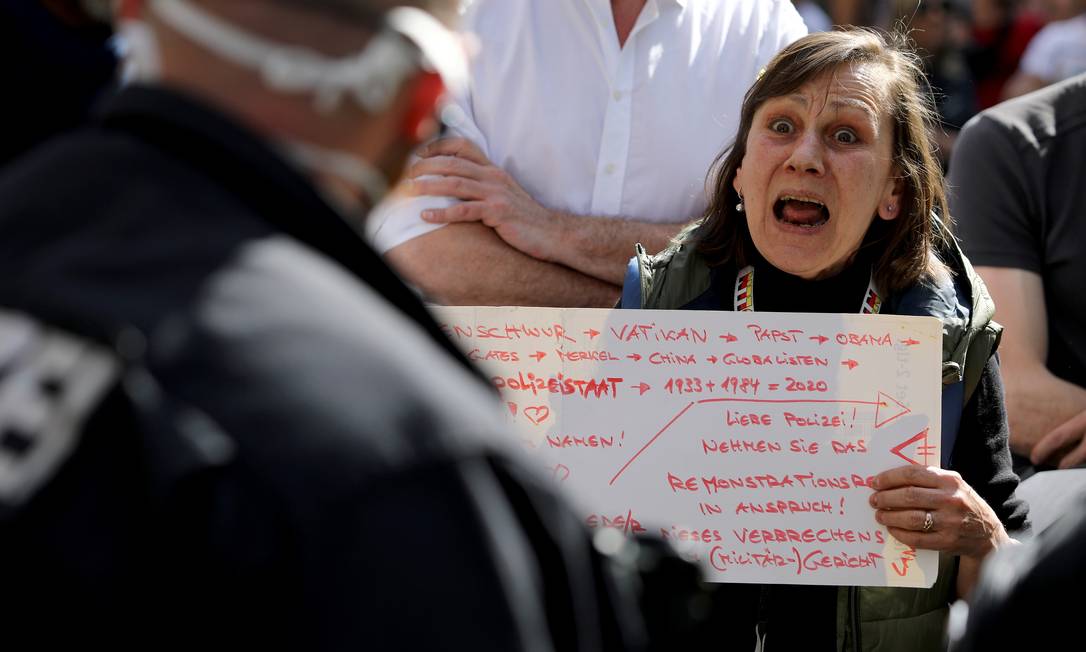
51	382
102	173
289	339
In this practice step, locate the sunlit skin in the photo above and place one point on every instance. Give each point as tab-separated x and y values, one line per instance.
829	141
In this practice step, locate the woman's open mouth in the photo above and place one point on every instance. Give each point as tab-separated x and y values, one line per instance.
804	212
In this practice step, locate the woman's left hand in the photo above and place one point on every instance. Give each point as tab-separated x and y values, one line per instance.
934	509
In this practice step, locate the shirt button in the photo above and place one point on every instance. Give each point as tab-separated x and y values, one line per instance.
609	168
617	95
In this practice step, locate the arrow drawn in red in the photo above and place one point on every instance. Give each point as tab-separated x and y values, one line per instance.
643	387
728	337
635	357
910	342
711	359
650	442
591	333
821	339
887	412
538	355
851	364
924	451
885	405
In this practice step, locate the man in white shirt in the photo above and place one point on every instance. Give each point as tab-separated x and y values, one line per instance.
590	126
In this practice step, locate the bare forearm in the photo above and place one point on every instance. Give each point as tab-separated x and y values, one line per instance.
596	247
1021	83
468	264
969	569
1037	402
968	574
601	247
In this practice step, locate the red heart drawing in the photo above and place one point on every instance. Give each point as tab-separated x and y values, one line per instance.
537	414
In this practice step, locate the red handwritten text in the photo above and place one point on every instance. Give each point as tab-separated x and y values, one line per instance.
574	441
864	339
716	484
739	446
475	355
808	535
785	507
584	356
680	534
559	385
625	522
773	335
521	331
644	332
783	360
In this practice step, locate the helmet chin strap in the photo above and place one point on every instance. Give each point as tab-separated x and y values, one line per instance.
347	168
371	78
139	51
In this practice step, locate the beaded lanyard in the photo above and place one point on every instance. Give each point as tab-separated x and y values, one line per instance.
744	293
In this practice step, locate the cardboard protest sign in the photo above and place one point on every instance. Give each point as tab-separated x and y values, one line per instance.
748	439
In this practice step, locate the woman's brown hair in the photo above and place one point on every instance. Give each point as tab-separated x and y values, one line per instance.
908	243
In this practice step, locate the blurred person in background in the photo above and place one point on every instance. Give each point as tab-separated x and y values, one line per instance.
847	12
224	422
1001	32
1057	52
1022	601
815	17
864	13
934	26
1018	193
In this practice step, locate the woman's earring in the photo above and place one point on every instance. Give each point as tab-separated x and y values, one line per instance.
739	207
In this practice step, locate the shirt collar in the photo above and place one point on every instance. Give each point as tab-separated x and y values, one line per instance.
601	11
681	3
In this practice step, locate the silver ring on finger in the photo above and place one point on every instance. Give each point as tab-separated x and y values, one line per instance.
929	522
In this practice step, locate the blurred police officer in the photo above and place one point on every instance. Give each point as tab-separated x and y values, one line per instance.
223	421
1025	599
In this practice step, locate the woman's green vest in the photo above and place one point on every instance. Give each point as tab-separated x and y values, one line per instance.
873	619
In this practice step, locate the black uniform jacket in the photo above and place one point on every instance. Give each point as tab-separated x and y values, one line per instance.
225	422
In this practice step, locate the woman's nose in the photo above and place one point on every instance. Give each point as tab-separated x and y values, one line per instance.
806	155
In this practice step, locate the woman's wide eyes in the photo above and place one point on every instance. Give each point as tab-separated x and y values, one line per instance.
781	126
784	127
845	136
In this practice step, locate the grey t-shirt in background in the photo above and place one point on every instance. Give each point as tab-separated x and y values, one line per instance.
1018	197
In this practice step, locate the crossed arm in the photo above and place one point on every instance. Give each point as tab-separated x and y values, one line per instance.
1047	414
503	248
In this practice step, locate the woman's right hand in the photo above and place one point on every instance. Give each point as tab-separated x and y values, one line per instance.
935	509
